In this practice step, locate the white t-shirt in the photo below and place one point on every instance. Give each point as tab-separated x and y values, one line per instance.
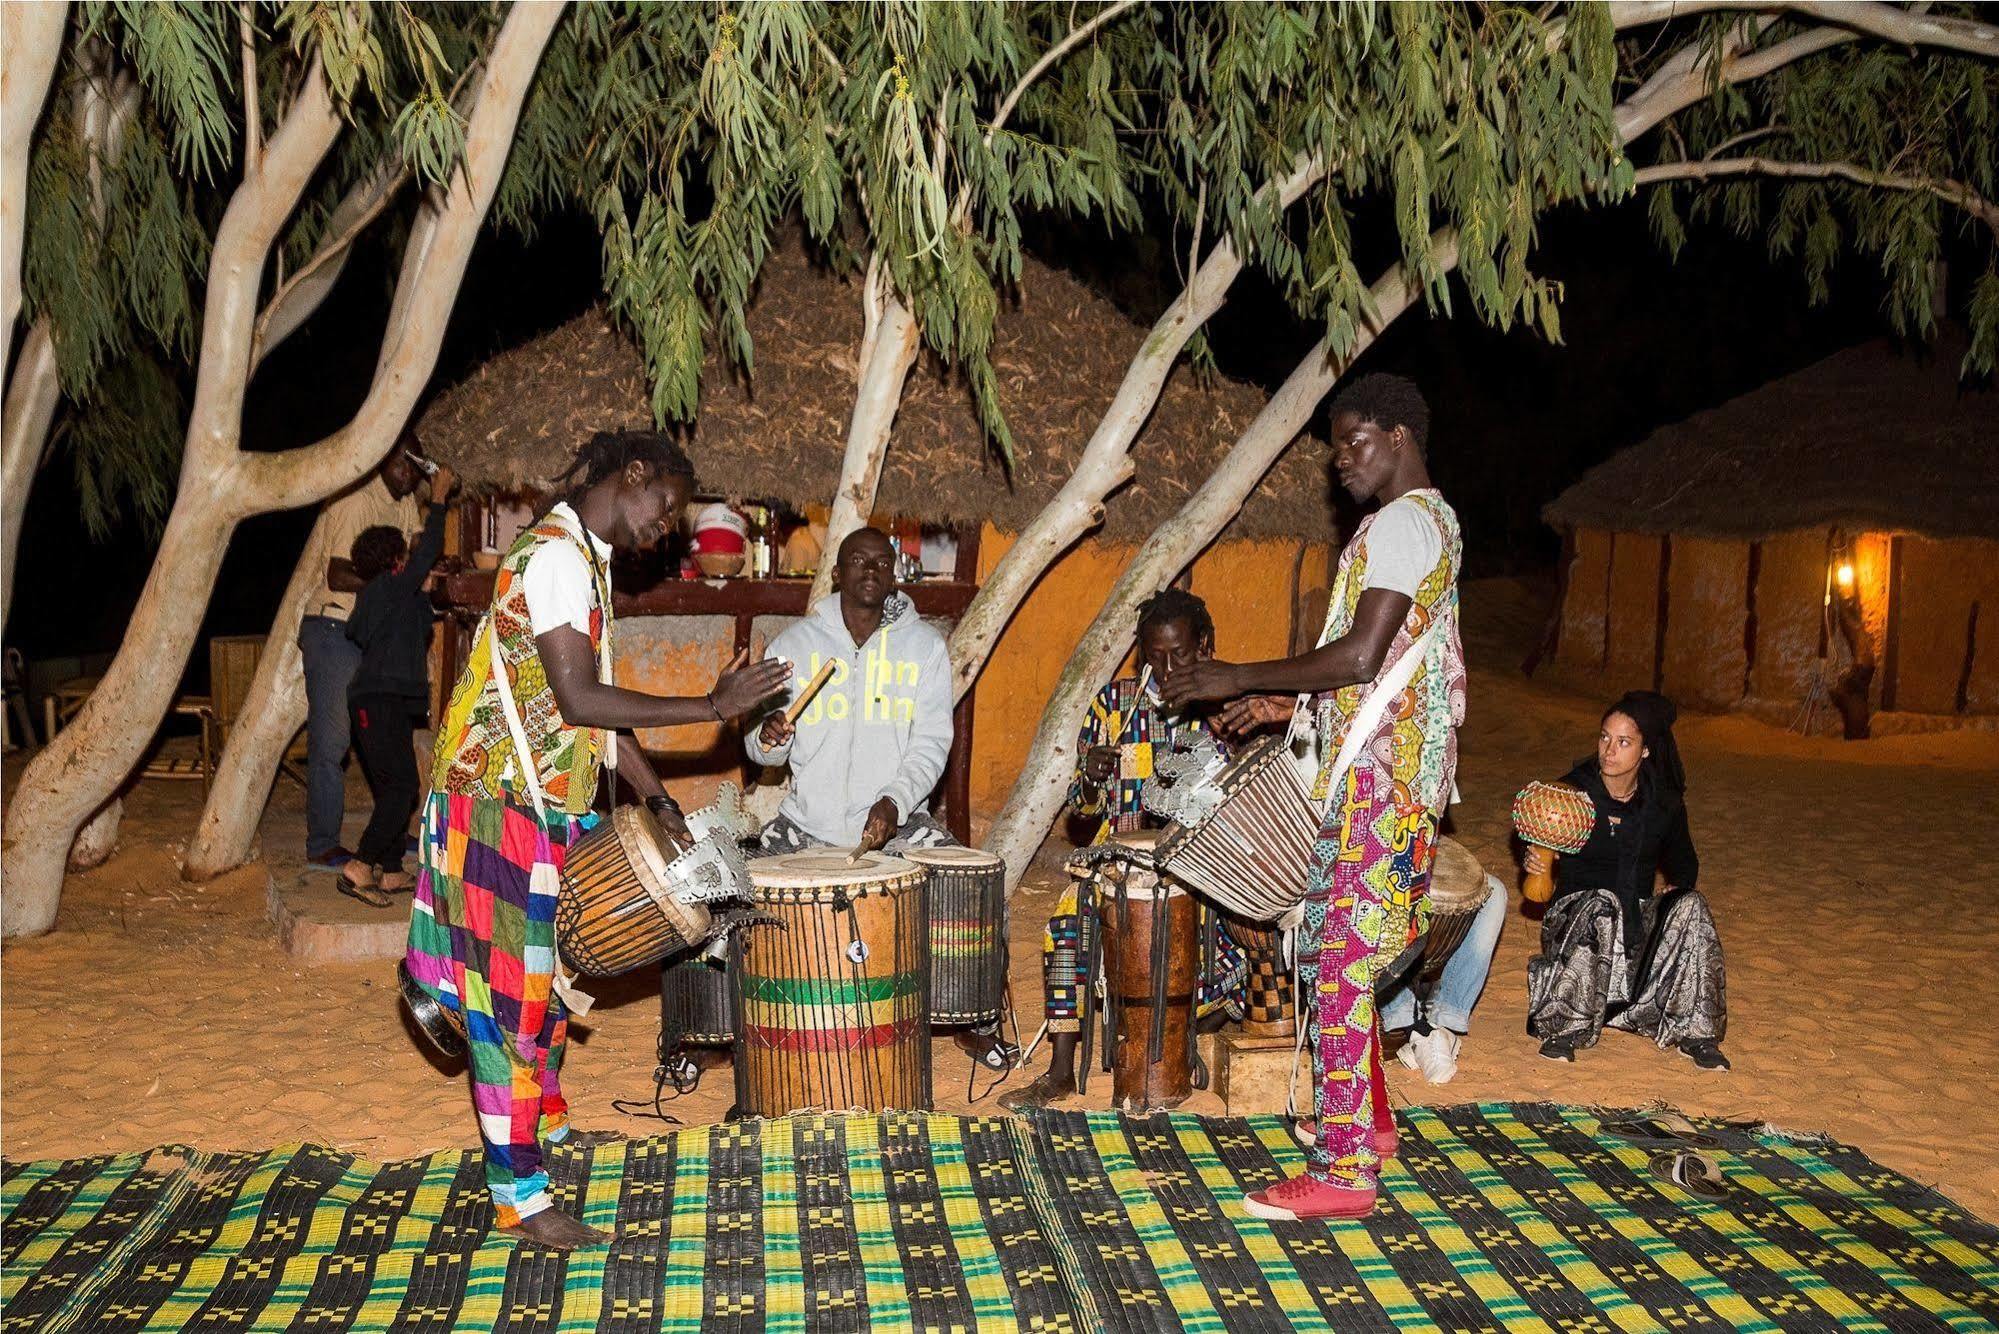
557	581
1403	546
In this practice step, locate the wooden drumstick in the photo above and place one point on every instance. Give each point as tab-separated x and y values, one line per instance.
812	688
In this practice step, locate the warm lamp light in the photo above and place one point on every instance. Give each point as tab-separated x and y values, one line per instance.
1844	574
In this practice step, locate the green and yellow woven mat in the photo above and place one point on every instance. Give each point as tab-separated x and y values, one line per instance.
1496	1217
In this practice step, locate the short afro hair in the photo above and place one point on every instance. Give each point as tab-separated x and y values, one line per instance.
377	550
1388	401
1177	604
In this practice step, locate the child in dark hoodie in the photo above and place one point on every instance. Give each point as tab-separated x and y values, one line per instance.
391	689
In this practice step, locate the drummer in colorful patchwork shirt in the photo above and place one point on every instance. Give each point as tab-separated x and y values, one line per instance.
532	722
1128	725
1394	598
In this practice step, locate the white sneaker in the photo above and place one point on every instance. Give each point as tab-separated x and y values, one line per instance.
1438	1059
1409	1055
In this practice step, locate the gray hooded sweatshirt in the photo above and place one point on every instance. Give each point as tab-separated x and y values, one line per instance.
880	727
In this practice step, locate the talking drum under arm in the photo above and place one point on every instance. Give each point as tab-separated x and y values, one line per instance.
1555	818
831	993
967	891
1251	854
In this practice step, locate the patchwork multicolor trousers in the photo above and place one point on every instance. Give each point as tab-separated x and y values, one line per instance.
482	941
1364	896
1065	953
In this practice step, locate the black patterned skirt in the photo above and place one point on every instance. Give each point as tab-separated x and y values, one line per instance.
1584	980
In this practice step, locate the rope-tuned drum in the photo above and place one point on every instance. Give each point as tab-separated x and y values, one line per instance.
629	899
831	995
967	898
1250	855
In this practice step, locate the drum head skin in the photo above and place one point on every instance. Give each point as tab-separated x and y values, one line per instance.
976	858
825	868
1456	877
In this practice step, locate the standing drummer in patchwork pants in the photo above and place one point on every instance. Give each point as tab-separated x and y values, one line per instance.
531	724
1394	609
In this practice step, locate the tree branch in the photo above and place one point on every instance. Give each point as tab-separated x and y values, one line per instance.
1049	57
253	119
1889	22
30	44
1952	192
293	303
427	288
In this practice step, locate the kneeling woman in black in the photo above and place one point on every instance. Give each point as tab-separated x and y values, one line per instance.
1615	954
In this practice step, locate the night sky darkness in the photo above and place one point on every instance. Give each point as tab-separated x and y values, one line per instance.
1515	419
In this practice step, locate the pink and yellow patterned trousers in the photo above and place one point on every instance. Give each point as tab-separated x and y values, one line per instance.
1369	869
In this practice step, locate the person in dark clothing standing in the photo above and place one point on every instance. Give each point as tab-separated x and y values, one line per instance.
390	624
1614	954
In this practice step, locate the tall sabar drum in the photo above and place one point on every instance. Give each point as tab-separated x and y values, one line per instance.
1151	965
694	1004
831	995
967	899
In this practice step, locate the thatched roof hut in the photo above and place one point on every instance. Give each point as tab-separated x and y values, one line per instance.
1869	438
1703	559
1060	352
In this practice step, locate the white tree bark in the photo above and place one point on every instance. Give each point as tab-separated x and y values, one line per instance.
272	713
98	838
888	350
221	484
32	396
1105	464
30	44
1037	798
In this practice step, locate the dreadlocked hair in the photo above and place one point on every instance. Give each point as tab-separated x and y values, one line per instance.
377	550
1388	401
607	453
1177	604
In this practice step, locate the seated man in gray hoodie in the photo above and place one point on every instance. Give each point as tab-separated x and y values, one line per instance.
868	749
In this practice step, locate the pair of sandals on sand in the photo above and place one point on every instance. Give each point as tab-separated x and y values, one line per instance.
358	880
1684	1154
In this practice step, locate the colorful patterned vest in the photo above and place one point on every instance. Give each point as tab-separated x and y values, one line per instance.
1416	743
475	753
1121	716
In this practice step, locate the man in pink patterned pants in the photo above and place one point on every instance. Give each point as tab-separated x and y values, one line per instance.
1388	684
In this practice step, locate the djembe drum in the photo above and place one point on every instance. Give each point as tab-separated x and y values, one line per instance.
967	893
1556	818
1458	889
1151	966
630	898
1250	855
831	993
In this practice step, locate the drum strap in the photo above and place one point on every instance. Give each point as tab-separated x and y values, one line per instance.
543	879
1304	726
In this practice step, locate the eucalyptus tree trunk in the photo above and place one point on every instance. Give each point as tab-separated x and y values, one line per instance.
1043	785
1106	463
221	484
30	43
888	350
30	410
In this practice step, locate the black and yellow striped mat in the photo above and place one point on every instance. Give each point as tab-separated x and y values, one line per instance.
1497	1217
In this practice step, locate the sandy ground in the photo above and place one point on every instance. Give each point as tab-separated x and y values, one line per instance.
1855	892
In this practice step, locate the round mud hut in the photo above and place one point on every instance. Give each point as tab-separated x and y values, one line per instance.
777	435
1835	531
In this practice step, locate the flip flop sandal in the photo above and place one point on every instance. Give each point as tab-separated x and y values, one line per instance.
368	894
1660	1131
1695	1173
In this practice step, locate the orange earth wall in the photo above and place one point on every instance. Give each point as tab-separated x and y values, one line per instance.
1249	587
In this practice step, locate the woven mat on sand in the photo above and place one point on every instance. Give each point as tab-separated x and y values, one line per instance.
1499	1217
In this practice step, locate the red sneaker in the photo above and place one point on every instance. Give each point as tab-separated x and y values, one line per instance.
1306	1131
1307	1197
